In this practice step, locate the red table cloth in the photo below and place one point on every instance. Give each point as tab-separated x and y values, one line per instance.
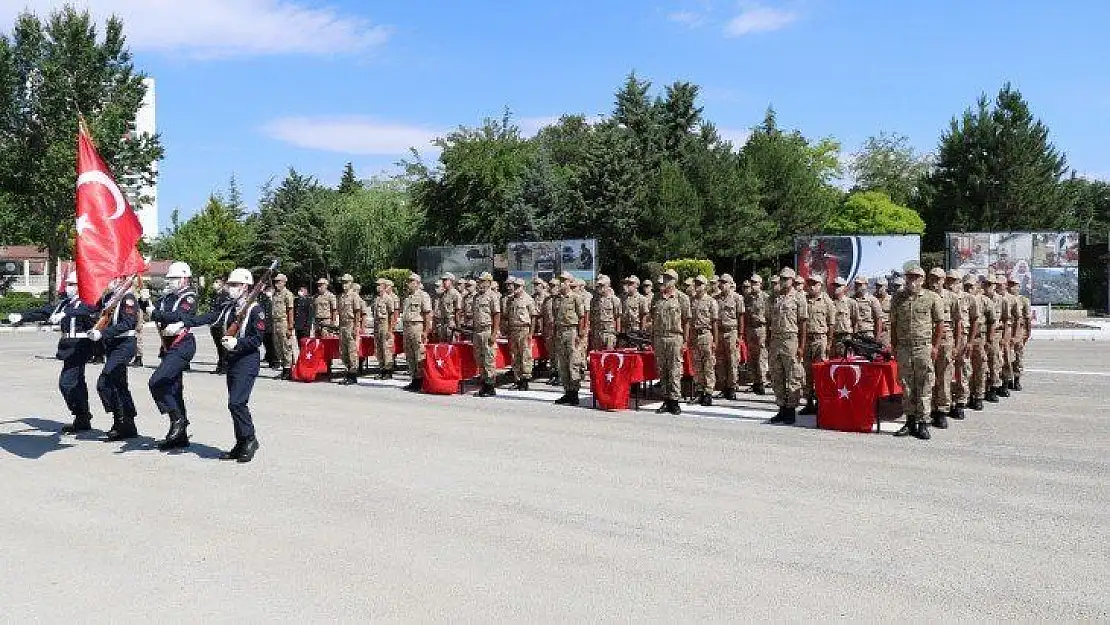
847	390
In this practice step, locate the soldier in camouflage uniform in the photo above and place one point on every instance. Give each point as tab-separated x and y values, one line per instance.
521	316
351	309
884	298
569	319
1012	300
704	320
1021	335
756	304
944	366
325	309
487	327
961	363
821	315
670	324
976	361
843	323
634	307
447	308
730	307
384	319
869	312
916	324
997	347
786	321
605	316
416	314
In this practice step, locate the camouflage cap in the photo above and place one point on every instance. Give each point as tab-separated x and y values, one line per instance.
881	282
485	277
382	281
603	280
448	276
899	281
1012	280
688	282
999	279
726	278
756	278
631	280
970	279
347	278
954	274
839	281
700	279
281	278
860	280
414	276
787	273
746	283
813	278
648	282
322	281
915	270
538	280
566	276
799	280
669	275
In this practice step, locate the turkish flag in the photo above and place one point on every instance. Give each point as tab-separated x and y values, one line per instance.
610	377
311	362
107	228
442	371
846	393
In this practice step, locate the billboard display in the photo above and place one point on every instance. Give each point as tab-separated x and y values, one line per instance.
1045	264
465	261
546	259
872	256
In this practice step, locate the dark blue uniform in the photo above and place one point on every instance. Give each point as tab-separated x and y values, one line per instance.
166	383
242	362
74	350
119	350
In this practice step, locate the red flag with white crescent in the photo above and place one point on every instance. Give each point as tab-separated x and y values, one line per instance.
108	230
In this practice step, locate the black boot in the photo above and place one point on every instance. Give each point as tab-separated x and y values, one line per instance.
81	423
779	417
957	412
565	399
675	407
811	408
922	431
487	390
246	453
706	400
1017	384
234	452
286	374
178	436
730	395
572	399
758	389
522	384
909	428
940	421
976	403
992	396
1002	391
137	361
123	429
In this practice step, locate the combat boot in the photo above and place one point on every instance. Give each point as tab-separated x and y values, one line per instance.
137	361
246	453
522	384
675	407
487	390
779	417
758	389
286	374
564	400
976	403
572	398
992	396
233	453
81	423
957	412
1002	391
811	407
909	428
730	395
123	428
178	436
922	431
1017	383
790	416
706	400
939	420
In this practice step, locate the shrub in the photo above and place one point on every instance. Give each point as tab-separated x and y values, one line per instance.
690	267
19	302
400	278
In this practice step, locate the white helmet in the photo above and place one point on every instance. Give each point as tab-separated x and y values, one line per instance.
179	270
241	276
71	277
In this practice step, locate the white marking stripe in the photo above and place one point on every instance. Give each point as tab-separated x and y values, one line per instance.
1058	372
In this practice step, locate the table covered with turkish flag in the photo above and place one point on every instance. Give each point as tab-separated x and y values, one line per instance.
448	364
848	390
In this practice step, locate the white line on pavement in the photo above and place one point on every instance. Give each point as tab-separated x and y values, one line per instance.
1060	372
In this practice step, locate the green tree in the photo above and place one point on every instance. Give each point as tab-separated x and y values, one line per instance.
349	183
888	163
996	170
212	241
48	71
292	224
374	229
873	212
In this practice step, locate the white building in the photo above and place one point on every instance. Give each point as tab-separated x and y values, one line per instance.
145	123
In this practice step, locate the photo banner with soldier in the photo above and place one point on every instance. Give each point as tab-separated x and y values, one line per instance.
547	259
870	256
1044	264
464	261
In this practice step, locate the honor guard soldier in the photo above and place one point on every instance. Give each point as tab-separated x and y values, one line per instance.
821	315
137	361
730	306
282	307
916	327
416	314
1024	329
218	300
351	309
670	326
704	319
869	312
447	309
522	314
174	315
325	310
843	325
487	327
605	324
786	344
385	319
569	318
302	314
119	349
756	305
243	326
944	364
961	353
73	318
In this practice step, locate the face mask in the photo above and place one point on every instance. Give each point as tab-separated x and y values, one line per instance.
71	290
235	291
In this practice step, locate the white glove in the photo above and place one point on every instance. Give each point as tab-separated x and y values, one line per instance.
14	318
94	335
57	317
173	329
148	306
144	295
229	342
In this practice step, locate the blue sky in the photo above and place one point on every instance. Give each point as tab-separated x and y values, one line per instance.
251	87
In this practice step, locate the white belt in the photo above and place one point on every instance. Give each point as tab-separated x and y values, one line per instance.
126	334
76	335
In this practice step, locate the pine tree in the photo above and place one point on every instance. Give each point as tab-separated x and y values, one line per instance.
349	183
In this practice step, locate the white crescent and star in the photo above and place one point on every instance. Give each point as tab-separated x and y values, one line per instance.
620	364
101	178
844	391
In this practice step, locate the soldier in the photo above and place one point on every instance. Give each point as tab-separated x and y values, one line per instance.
466	307
325	308
705	317
992	329
416	313
282	306
587	302
119	349
916	327
689	290
605	323
787	320
884	299
730	308
843	324
976	364
1012	298
522	314
649	294
447	309
385	319
243	326
670	323
137	361
550	330
218	300
487	327
755	322
350	311
712	288
74	320
571	331
302	314
1024	329
173	314
964	311
944	363
1001	337
633	307
821	314
869	312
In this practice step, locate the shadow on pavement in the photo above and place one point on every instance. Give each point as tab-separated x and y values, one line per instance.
41	437
146	443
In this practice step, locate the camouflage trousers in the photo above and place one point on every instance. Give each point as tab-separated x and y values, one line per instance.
668	362
979	367
485	354
786	371
728	359
994	362
520	344
961	383
414	349
915	371
1008	361
383	345
1018	363
944	370
817	350
348	347
704	362
756	339
566	354
283	346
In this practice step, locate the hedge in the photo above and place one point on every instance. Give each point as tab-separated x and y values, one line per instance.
690	267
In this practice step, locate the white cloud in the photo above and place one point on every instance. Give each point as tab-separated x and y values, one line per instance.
756	18
738	137
353	135
531	126
223	28
687	18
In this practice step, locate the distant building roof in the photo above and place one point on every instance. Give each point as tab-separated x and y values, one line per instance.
23	252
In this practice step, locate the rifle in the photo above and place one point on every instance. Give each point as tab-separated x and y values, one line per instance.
635	338
868	348
233	327
110	307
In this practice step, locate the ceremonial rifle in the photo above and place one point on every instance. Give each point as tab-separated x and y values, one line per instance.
233	329
110	307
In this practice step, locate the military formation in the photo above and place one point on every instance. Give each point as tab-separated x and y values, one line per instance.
958	340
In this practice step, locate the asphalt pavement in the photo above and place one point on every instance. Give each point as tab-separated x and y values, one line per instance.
368	503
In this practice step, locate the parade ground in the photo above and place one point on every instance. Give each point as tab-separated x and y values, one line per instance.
370	503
